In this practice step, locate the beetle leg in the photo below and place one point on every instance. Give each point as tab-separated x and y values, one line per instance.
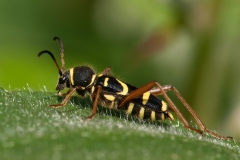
64	102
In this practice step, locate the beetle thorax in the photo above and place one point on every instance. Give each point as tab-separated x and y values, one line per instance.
82	76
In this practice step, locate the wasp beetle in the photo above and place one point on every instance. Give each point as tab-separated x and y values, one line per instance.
114	93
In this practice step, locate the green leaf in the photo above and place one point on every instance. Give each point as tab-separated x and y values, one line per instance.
31	130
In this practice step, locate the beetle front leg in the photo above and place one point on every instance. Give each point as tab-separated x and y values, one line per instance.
64	94
64	102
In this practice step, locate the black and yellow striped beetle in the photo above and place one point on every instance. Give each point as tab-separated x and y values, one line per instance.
114	93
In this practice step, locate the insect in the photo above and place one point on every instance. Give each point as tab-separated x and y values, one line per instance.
114	93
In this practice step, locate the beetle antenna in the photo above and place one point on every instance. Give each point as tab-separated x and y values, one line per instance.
61	52
48	52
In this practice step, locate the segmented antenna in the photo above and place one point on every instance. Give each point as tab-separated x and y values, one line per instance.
61	52
48	52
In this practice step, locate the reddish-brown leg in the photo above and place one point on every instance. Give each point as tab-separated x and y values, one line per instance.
157	91
184	102
64	102
161	90
64	94
107	71
94	110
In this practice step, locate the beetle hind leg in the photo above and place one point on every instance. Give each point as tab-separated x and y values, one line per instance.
156	89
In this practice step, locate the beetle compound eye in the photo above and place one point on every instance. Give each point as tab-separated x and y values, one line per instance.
61	80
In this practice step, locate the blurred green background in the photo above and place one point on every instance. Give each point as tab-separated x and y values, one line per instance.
193	45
